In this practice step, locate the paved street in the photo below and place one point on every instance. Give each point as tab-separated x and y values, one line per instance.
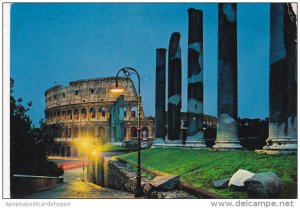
73	187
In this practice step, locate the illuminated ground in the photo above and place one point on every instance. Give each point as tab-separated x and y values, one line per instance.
73	187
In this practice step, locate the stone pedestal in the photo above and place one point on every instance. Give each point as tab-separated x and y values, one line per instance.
174	88
195	135
283	79
160	95
227	127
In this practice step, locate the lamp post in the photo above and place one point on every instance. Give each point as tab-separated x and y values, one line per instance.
128	71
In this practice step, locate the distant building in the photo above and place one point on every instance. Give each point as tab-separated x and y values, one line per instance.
208	121
83	110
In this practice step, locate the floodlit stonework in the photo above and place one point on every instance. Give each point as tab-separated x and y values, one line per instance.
83	110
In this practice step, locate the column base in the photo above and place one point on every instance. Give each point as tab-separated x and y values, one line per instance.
280	145
159	141
173	143
195	144
179	144
169	143
227	145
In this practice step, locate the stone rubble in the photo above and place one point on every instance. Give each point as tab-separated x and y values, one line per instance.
263	185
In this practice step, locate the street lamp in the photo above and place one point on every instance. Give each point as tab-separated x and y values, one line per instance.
128	71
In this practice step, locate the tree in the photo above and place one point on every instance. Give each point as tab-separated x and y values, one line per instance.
28	145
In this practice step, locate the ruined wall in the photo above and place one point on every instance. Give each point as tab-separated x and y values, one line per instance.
83	110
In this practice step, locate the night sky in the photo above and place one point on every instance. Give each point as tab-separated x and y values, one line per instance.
59	43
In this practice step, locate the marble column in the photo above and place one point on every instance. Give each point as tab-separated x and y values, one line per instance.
195	79
227	126
174	88
160	95
283	78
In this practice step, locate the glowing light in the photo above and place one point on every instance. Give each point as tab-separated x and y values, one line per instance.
117	90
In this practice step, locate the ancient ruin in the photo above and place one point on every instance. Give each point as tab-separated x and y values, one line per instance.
160	95
283	79
227	134
83	108
195	79
174	88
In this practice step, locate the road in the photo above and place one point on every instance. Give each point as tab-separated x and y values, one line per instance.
74	187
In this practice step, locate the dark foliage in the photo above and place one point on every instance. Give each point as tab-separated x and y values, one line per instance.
28	145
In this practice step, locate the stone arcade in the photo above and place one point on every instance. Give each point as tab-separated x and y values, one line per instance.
83	110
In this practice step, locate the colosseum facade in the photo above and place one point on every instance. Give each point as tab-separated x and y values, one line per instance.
82	109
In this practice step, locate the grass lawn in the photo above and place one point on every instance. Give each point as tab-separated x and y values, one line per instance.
201	167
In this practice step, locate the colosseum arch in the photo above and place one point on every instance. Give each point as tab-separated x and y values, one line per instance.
133	112
58	116
67	132
63	151
68	151
54	116
63	115
102	112
75	132
101	131
76	114
92	132
69	114
83	132
83	113
92	113
133	132
75	152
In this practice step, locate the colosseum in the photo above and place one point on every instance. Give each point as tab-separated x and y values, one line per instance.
82	109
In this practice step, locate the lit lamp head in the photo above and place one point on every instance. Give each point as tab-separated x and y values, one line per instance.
117	89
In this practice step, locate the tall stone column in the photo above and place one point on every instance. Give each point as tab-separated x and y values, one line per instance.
283	78
195	79
160	95
174	88
227	126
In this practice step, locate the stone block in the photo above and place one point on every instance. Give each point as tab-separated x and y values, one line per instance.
263	185
237	180
221	184
165	182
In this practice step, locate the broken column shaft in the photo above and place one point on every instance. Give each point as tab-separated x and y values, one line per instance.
227	126
195	78
160	95
174	88
283	78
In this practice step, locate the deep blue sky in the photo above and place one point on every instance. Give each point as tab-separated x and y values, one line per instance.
66	42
